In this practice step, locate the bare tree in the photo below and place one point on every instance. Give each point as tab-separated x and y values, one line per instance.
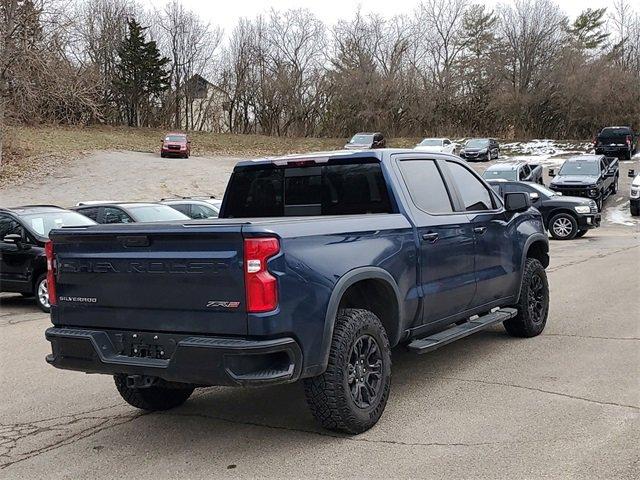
190	43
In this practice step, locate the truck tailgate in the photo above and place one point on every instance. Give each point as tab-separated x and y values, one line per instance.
163	278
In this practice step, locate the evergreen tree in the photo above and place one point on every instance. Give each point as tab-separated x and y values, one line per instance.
140	73
587	29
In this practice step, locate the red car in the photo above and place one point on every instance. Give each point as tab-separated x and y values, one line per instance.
175	144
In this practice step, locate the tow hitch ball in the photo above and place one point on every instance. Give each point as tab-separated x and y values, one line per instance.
141	381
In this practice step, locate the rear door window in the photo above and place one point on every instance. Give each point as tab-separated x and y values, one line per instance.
339	189
475	196
425	185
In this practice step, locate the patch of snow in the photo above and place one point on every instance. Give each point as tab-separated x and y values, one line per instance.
620	215
546	152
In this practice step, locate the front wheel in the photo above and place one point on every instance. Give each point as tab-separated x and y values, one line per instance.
563	226
42	293
352	393
533	306
165	397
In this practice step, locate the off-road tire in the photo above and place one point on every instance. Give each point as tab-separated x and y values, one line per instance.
614	186
329	396
581	233
152	398
567	220
525	323
634	211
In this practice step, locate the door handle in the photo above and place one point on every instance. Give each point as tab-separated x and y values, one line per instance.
479	230
430	237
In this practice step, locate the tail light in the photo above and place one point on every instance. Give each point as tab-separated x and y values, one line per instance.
628	140
261	287
51	272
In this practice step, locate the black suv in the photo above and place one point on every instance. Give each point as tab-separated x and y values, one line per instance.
23	233
564	217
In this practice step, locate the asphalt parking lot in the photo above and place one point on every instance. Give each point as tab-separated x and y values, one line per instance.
565	404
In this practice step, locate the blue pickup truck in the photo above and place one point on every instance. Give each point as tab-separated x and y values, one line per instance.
318	266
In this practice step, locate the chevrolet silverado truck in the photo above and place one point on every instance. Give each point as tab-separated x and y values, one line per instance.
316	268
616	141
590	176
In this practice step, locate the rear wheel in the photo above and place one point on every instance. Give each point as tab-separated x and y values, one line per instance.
635	211
352	393
614	186
165	397
563	226
533	306
42	293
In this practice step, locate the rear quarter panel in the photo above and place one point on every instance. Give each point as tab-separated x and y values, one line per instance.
316	254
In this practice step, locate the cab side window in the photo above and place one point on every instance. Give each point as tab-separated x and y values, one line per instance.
115	215
475	196
425	185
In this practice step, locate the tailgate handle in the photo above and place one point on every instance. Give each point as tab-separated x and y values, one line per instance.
135	241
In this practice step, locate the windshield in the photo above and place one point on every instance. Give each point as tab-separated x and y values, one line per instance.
430	142
477	143
506	174
543	190
43	223
358	139
580	167
175	138
156	213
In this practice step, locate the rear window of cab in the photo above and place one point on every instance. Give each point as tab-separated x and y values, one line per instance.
332	189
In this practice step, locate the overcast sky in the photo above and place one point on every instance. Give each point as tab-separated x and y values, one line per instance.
225	13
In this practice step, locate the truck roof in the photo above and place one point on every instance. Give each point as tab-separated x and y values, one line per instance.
26	209
586	157
347	155
505	166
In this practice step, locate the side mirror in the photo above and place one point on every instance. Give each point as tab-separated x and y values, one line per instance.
552	172
13	239
631	174
609	173
517	201
534	195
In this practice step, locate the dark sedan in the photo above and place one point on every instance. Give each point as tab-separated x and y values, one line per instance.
483	149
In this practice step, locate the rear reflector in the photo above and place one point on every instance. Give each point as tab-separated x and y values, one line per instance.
261	287
51	272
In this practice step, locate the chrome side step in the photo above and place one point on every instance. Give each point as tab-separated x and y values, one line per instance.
437	340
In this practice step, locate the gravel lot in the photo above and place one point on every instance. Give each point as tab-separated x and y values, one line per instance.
563	405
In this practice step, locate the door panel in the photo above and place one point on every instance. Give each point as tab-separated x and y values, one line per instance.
447	266
446	242
495	262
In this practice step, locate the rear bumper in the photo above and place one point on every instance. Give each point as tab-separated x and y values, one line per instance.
176	358
612	150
